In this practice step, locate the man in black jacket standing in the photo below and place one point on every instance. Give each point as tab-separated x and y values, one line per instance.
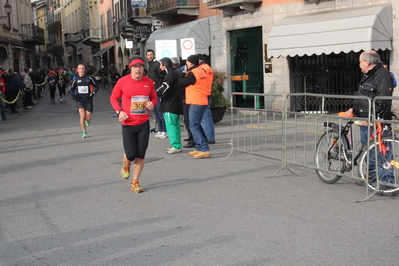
171	104
154	73
376	81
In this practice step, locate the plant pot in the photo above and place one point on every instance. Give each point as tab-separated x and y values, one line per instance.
217	113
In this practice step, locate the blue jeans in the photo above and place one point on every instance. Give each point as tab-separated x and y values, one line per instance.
2	107
195	114
384	174
186	108
159	117
364	136
207	123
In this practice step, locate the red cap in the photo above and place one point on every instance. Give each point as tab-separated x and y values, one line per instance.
136	61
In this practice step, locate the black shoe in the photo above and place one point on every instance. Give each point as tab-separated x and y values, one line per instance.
39	97
210	142
187	139
14	112
360	183
4	119
189	145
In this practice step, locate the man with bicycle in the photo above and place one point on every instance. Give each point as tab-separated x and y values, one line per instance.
375	81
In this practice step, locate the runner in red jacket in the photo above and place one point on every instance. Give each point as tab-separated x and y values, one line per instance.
138	98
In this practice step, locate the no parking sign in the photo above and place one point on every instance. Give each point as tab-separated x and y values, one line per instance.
187	47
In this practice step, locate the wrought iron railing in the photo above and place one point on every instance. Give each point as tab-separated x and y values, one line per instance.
73	37
218	2
32	33
138	12
92	32
157	6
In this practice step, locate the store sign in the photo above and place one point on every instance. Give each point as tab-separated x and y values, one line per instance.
129	44
141	32
139	3
165	48
187	47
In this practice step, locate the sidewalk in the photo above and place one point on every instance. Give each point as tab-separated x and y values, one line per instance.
62	202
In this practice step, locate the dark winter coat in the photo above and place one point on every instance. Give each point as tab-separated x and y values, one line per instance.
170	93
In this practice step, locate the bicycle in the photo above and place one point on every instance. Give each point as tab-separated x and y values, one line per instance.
335	150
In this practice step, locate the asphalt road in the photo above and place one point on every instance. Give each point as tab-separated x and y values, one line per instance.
62	202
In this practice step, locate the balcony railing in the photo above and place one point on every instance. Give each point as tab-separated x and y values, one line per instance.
169	7
91	36
218	2
73	38
228	6
33	34
139	16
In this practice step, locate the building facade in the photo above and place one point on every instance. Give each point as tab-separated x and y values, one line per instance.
268	47
315	47
18	35
282	47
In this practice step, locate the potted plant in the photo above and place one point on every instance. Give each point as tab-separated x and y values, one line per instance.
218	102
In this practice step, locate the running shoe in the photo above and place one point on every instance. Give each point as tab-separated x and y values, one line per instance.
87	123
135	187
125	171
85	135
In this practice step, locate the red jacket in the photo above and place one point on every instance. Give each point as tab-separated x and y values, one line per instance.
135	95
3	87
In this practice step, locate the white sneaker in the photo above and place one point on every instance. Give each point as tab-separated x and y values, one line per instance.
173	150
60	99
163	135
158	135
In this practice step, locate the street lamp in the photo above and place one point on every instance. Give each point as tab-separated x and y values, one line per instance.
7	10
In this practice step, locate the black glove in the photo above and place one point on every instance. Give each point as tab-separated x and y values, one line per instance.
92	94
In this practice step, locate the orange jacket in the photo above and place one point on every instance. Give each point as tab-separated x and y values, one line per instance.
198	93
209	72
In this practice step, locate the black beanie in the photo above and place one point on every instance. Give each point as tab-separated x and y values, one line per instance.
193	59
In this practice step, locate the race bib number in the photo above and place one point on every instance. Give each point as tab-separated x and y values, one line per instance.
139	105
83	89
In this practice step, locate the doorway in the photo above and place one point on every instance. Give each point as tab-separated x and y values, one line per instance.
246	61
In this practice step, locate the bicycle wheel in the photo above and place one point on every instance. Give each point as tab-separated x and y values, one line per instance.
327	157
387	166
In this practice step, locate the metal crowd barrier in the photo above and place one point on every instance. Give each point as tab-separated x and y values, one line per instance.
290	137
258	131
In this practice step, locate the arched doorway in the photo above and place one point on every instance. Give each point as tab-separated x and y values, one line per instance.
15	56
120	65
27	60
3	58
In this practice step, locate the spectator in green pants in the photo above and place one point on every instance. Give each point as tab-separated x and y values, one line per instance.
171	103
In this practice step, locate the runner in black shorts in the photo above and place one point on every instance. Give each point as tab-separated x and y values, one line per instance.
135	140
138	97
84	88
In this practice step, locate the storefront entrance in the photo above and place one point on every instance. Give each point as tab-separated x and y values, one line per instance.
336	74
246	60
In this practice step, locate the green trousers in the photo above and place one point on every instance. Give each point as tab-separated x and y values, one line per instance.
172	122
